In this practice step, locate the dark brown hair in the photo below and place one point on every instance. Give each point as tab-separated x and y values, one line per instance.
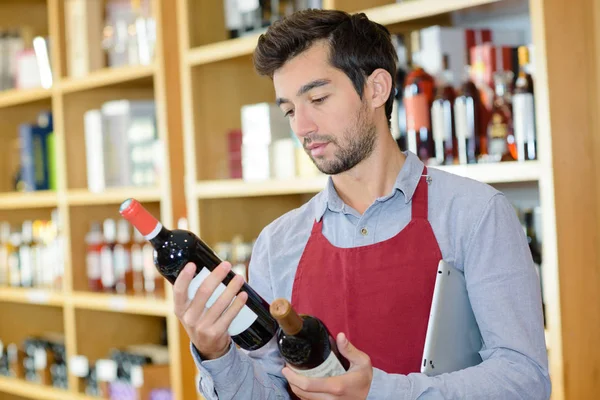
358	46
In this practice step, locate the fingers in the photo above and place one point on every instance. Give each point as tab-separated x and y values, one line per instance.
352	354
224	299
180	296
232	312
209	291
331	385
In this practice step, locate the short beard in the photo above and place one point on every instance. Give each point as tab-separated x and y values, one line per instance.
357	144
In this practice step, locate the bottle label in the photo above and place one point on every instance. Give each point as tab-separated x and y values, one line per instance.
417	112
241	322
330	367
94	265
524	123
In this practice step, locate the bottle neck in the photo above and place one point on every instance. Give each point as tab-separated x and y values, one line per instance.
159	236
287	318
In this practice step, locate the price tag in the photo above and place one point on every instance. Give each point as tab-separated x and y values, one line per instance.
117	303
38	296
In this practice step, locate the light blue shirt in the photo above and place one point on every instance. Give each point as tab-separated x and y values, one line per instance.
477	230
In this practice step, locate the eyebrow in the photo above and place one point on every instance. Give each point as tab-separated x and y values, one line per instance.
305	88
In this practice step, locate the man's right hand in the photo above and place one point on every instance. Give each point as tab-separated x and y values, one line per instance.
207	327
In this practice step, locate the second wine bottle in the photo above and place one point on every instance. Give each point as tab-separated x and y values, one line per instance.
306	344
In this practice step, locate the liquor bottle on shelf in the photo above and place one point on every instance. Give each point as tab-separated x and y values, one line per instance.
253	327
25	259
14	260
107	255
442	118
122	256
524	110
94	241
501	143
306	344
467	118
137	263
4	251
418	97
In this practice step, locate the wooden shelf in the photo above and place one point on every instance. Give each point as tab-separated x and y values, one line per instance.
417	9
81	197
222	50
503	172
107	77
240	188
30	390
385	15
506	172
44	297
122	304
23	200
14	97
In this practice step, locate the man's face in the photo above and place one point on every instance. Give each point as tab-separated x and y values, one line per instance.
335	127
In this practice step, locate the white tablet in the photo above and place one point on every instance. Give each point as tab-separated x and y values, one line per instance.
453	338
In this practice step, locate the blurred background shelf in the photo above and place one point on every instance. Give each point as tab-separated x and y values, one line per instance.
107	77
23	200
79	197
120	303
224	50
30	390
506	172
15	97
47	297
408	11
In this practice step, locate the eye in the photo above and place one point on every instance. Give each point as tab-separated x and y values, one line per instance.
289	113
320	100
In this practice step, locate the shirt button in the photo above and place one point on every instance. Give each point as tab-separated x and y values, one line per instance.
364	231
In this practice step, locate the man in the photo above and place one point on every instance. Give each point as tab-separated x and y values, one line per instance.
362	254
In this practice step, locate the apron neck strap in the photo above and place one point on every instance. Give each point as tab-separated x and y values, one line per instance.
419	200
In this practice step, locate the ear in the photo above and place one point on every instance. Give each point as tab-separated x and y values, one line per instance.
380	85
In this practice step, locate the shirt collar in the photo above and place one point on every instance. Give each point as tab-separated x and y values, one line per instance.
406	182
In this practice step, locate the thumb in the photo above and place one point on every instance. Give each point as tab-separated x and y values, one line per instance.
352	354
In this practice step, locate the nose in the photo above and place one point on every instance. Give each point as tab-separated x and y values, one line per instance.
302	123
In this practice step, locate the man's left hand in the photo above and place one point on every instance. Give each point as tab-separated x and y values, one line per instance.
353	385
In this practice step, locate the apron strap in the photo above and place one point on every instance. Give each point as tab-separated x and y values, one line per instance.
419	200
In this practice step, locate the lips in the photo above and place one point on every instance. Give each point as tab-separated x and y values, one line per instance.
316	149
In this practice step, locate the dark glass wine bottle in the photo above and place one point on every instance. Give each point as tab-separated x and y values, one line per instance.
305	343
253	327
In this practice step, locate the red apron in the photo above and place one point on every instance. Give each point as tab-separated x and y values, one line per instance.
379	295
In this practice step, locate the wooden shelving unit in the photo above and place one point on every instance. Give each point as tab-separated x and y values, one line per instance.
91	322
200	80
565	175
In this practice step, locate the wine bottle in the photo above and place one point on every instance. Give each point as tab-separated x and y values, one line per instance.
305	343
253	327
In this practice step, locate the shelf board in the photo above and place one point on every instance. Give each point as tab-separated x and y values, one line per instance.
14	97
385	15
223	50
505	172
24	200
239	188
106	77
19	387
121	303
82	197
44	297
413	10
